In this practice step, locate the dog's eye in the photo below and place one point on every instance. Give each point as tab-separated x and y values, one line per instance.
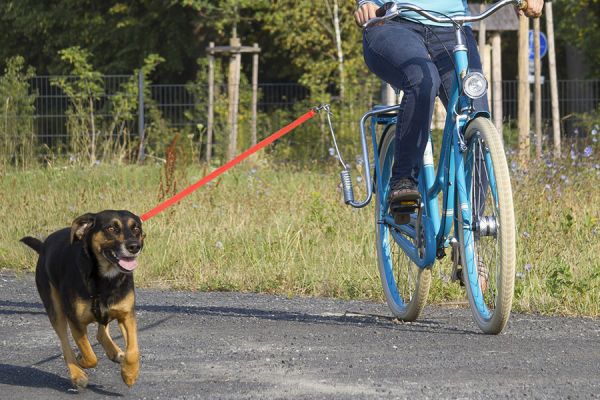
136	229
113	229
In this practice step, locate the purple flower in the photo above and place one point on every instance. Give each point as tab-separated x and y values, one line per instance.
528	267
573	155
526	235
587	151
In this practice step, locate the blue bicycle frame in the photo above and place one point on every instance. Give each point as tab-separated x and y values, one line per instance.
450	171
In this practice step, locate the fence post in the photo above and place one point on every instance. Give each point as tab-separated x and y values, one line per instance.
537	70
141	128
254	93
211	96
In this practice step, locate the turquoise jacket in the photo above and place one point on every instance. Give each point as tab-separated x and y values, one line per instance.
452	8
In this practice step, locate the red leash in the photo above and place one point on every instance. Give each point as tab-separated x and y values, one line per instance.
263	143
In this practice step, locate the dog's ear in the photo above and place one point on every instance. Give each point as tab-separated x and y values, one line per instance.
81	226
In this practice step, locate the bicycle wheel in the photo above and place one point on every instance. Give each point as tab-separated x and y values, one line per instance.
487	239
405	285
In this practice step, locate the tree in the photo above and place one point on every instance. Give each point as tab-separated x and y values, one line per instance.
120	34
578	26
321	40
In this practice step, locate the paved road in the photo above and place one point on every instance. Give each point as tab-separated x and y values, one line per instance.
251	346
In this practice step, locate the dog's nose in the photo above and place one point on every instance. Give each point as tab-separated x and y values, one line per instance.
133	247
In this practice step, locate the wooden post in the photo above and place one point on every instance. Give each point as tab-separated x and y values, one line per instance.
211	106
141	119
481	38
553	81
537	88
487	68
497	112
233	95
523	116
254	92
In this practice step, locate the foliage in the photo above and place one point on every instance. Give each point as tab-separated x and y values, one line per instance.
84	90
120	34
16	127
578	25
91	136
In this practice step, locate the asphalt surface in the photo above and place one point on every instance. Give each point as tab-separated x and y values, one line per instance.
250	346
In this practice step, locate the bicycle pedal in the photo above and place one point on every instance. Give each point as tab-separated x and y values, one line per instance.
405	207
402	211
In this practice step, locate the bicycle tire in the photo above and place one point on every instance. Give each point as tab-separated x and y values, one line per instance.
406	286
488	244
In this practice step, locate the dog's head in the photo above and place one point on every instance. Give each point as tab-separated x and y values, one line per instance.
114	237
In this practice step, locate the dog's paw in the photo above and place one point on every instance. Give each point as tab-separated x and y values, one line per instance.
79	379
130	374
86	362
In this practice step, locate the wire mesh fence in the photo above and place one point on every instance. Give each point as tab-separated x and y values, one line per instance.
184	106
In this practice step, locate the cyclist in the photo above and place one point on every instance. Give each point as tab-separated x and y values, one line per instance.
414	54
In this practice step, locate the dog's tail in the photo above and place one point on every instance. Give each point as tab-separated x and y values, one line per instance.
34	243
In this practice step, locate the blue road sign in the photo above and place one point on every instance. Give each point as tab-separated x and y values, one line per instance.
543	45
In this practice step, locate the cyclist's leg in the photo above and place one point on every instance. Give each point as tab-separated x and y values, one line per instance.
409	67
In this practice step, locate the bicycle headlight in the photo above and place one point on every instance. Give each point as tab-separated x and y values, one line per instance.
475	85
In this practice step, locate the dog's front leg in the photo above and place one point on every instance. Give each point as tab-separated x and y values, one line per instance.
87	358
130	366
112	350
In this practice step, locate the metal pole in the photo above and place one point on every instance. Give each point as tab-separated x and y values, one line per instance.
254	93
211	95
141	128
537	88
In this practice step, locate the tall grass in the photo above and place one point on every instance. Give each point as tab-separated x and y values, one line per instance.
281	229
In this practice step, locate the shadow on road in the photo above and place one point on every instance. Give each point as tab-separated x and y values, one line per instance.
14	375
21	304
348	318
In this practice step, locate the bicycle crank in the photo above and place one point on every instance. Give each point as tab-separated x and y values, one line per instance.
457	270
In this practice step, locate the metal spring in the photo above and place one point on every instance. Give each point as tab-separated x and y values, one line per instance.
347	186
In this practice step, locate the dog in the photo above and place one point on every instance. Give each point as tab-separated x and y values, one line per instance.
84	274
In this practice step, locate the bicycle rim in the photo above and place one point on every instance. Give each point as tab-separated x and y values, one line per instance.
488	244
405	285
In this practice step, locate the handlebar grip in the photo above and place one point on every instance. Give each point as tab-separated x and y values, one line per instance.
381	11
523	5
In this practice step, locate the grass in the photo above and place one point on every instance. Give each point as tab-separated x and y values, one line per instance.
265	227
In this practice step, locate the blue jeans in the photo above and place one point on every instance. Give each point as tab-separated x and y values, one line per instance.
418	60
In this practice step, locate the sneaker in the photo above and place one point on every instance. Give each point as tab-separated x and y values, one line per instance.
403	199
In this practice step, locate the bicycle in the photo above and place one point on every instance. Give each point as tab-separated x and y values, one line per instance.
472	177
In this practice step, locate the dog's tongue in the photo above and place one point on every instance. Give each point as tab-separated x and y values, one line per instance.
128	264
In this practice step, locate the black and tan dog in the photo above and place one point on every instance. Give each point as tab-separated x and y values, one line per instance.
84	274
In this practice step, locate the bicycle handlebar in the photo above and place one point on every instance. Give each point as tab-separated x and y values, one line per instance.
392	10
